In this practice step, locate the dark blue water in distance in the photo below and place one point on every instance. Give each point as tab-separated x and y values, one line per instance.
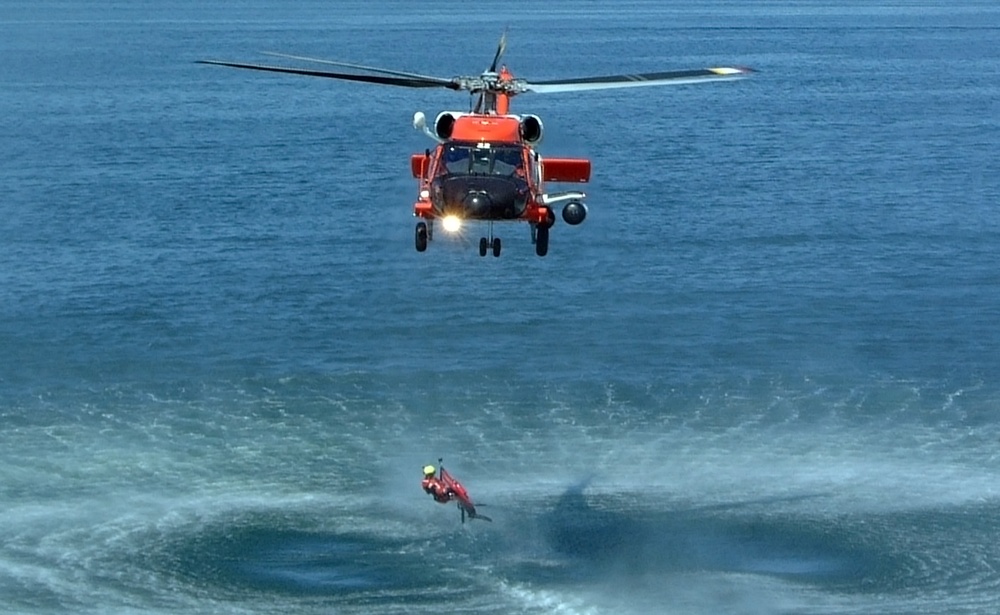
762	377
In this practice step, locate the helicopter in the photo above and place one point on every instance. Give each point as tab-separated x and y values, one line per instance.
485	165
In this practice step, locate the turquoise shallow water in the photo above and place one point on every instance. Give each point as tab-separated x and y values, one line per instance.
761	378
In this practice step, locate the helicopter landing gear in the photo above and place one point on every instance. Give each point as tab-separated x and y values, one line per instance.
420	236
540	233
486	244
542	240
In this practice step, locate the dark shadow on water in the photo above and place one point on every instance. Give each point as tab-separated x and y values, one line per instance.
589	538
612	543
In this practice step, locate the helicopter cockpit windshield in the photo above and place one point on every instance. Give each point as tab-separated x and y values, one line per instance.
475	159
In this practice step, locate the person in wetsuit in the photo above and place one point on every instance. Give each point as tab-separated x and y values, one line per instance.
434	487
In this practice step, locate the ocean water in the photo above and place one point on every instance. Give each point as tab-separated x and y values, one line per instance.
762	377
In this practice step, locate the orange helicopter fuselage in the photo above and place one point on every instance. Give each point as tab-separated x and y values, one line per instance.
485	167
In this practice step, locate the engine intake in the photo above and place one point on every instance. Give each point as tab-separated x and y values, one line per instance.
444	125
531	129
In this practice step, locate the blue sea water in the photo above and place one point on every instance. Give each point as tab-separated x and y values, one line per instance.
762	377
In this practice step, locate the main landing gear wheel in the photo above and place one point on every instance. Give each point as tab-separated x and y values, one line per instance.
483	246
496	246
420	236
542	240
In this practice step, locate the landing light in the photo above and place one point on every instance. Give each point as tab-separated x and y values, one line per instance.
451	223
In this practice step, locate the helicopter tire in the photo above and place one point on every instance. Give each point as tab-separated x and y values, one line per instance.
483	246
420	236
542	240
496	246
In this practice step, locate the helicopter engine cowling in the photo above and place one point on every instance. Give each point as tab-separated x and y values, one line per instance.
531	129
574	213
445	124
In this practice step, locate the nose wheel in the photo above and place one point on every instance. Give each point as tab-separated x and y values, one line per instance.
490	243
485	245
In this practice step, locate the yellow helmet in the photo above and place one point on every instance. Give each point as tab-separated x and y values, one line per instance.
429	470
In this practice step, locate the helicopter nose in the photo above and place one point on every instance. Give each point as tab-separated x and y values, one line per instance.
477	202
479	197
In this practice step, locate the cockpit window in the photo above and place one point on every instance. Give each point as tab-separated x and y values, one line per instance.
507	160
456	159
476	160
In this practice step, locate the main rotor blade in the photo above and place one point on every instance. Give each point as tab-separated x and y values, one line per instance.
372	69
407	82
501	47
637	80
